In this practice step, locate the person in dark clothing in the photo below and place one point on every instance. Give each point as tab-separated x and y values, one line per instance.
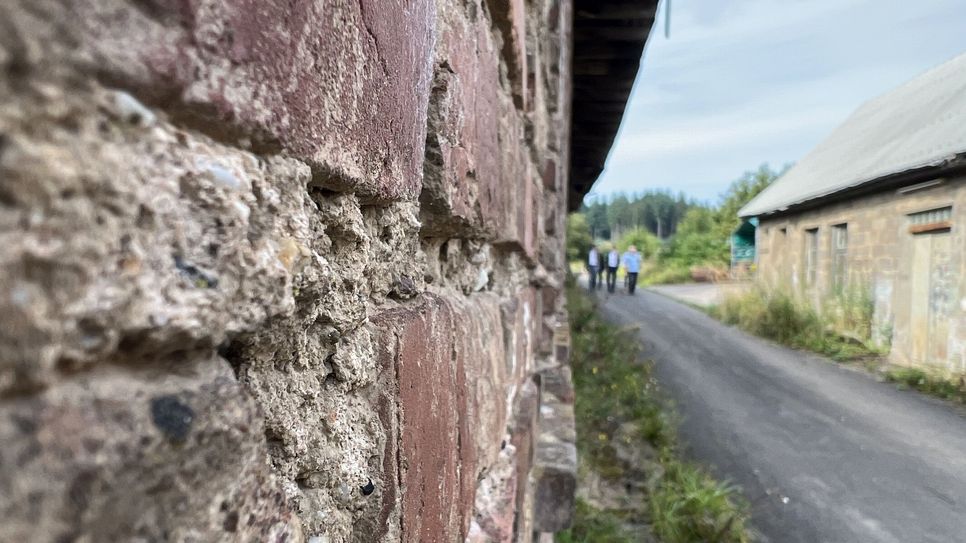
613	262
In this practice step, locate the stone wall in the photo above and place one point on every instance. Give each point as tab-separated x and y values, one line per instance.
282	271
918	298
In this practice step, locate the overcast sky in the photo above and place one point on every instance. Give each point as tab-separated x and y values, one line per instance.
742	82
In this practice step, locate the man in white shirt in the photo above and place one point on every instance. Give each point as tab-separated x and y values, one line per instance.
593	266
613	262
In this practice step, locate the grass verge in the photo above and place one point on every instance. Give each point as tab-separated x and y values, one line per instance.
933	384
777	316
626	436
666	274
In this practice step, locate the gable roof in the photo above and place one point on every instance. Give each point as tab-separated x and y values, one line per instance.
920	124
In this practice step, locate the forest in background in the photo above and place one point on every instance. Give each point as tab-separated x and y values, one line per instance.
657	211
675	233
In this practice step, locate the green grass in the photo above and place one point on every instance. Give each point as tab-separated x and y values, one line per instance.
778	316
592	525
688	505
662	274
614	387
930	383
842	332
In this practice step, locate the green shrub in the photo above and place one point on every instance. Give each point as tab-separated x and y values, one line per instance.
592	525
932	383
646	242
663	274
776	315
579	240
851	310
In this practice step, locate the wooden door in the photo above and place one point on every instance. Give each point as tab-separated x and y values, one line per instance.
933	286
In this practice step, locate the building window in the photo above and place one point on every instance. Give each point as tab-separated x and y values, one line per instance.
811	256
840	255
933	220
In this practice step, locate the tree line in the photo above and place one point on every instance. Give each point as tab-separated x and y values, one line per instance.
657	211
696	234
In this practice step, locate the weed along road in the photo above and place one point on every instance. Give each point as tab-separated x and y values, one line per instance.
824	453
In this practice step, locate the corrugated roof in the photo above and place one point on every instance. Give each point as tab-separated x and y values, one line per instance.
919	124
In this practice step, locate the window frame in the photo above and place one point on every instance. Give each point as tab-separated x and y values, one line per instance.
810	268
839	252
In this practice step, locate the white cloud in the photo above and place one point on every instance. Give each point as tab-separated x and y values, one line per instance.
747	81
695	137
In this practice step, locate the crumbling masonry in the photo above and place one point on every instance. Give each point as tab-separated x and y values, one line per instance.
283	271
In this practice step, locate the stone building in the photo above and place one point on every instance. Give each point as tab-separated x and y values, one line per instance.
876	212
292	270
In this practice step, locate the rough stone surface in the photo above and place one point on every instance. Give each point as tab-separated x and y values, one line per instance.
111	456
277	271
554	475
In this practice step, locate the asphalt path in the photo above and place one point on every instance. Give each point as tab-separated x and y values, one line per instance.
824	453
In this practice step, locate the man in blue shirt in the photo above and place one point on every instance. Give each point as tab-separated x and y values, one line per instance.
632	266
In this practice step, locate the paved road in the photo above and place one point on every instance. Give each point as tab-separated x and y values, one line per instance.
825	454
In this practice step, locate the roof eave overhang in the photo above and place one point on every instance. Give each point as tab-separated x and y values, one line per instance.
609	38
945	168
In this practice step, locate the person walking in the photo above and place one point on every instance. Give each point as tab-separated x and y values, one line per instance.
593	266
600	273
613	262
632	266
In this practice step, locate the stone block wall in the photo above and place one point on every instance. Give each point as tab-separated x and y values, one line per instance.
280	271
882	262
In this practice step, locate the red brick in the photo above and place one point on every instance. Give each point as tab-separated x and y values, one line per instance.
463	166
443	365
342	85
521	326
510	17
434	501
481	351
478	174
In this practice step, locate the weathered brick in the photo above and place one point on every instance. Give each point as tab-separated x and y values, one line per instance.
520	329
510	17
477	177
457	370
479	347
432	453
549	176
448	355
558	381
341	85
462	148
496	500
